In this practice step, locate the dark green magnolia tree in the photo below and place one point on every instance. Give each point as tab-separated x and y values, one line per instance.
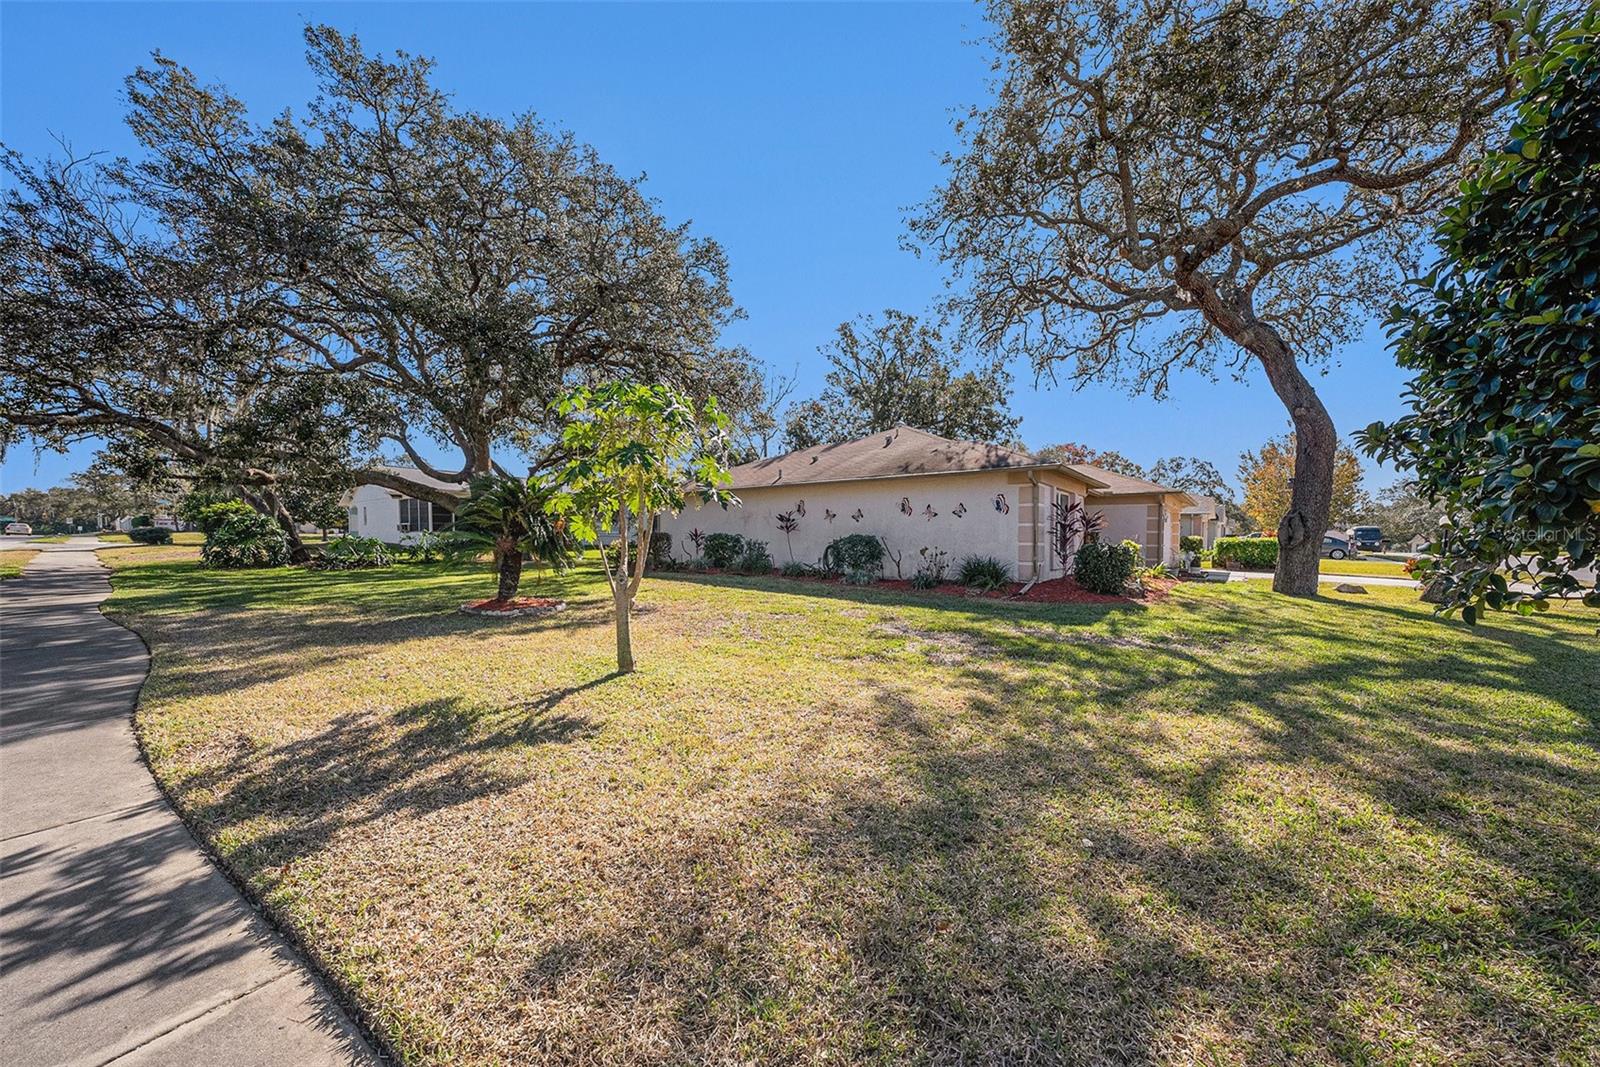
513	518
901	371
1200	184
636	451
1504	334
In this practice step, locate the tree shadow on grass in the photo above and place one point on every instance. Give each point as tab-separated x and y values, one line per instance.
1006	937
365	767
976	607
218	650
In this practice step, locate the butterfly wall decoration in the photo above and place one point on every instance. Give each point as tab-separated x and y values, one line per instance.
857	514
1000	504
959	510
828	515
800	508
905	505
928	513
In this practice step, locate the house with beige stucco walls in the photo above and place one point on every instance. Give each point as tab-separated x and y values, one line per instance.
916	490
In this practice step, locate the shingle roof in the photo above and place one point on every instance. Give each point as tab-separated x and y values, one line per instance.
1118	484
415	475
904	452
1205	505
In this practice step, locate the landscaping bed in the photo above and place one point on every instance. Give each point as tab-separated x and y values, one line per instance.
515	607
824	824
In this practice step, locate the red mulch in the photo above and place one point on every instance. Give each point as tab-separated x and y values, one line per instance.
514	604
1055	591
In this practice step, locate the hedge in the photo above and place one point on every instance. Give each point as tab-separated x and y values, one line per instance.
150	535
1246	553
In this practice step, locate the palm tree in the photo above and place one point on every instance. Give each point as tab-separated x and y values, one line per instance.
509	516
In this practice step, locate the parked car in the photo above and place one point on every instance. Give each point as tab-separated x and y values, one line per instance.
1337	548
20	528
1367	538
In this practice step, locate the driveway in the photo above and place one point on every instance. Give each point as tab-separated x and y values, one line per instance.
121	941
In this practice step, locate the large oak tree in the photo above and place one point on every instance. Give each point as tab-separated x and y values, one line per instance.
899	370
1192	184
454	272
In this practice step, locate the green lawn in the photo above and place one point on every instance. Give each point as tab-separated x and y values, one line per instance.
13	560
1382	567
832	826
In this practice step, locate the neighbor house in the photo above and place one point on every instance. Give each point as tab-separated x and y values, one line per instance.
915	490
391	516
1206	519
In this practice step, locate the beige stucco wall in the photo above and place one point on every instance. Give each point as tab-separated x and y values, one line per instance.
966	520
1153	521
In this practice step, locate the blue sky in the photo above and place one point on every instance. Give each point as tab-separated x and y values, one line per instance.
795	134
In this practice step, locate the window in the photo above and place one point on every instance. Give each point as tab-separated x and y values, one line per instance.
418	515
414	515
1066	533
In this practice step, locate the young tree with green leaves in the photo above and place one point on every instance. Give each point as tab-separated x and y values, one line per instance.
636	451
1192	184
513	517
1504	429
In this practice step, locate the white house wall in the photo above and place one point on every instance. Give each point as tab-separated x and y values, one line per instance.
965	518
375	512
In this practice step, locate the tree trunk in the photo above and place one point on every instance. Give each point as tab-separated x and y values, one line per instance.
1311	493
270	504
622	593
510	574
624	635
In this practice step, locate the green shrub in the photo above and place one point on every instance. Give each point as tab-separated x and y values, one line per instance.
209	517
252	540
142	520
982	572
446	546
1192	543
755	559
354	553
931	571
857	552
1246	553
1103	568
796	569
861	576
660	550
723	550
150	535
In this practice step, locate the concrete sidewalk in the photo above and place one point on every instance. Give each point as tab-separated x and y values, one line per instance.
1331	579
120	942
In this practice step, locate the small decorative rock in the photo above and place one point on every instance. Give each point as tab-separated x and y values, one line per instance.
1346	587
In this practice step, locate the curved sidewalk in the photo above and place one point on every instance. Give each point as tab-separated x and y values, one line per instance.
120	942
